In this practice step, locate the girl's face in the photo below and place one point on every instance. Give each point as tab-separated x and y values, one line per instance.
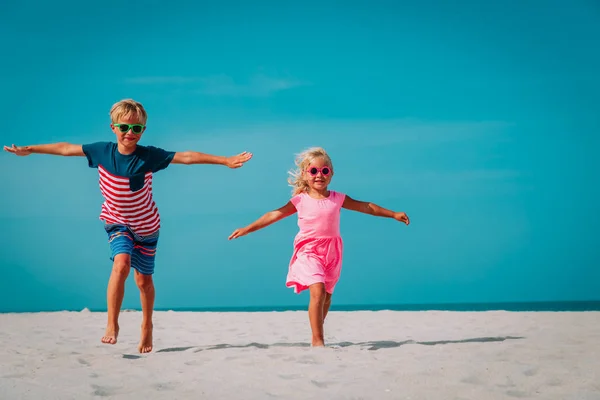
318	174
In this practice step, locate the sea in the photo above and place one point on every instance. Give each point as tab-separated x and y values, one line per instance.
559	306
545	306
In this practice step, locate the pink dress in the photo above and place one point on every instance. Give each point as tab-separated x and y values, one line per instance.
318	246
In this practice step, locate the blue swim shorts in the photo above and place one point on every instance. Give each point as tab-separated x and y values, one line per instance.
142	249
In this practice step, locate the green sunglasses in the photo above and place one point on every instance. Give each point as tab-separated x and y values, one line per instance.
135	128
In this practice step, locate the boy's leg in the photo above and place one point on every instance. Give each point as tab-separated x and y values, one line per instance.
147	294
114	296
121	245
315	313
142	260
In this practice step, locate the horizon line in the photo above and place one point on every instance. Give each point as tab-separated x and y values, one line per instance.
559	305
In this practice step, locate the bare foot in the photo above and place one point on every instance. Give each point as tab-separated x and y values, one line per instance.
318	343
145	345
110	336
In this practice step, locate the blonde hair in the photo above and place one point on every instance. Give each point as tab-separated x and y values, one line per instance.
128	108
303	160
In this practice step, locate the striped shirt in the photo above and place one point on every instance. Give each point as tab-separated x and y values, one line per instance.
126	184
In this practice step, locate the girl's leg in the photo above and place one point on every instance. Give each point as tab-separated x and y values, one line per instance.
326	305
315	313
114	296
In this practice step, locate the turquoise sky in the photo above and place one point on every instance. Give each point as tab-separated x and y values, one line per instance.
479	119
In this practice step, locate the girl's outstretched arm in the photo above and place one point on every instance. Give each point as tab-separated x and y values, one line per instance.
267	219
373	209
194	157
55	149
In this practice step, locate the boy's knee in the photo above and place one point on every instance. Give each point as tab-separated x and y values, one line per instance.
144	282
122	264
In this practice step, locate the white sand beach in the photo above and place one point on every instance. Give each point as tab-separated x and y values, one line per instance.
372	355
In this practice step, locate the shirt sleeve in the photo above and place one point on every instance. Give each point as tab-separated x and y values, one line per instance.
339	198
96	153
158	158
296	200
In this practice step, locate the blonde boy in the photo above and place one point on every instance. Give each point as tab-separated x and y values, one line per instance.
129	213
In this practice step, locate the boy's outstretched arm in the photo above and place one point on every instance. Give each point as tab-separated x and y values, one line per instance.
267	219
373	209
194	157
55	149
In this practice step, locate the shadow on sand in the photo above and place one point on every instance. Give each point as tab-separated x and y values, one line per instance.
374	345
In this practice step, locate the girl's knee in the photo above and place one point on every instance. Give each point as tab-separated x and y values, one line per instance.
317	292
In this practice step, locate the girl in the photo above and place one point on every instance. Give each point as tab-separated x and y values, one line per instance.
316	262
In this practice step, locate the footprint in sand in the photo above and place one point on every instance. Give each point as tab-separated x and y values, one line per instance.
165	386
104	391
516	393
83	362
307	360
290	377
13	376
554	382
472	379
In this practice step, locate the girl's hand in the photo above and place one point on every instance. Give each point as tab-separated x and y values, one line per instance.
238	233
402	217
18	150
238	160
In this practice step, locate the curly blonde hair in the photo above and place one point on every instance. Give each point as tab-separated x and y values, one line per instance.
302	161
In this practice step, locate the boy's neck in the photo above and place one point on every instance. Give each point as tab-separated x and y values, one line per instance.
126	150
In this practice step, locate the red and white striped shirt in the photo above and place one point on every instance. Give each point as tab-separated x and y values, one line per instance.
136	209
126	184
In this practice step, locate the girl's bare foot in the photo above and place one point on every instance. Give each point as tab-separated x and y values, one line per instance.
145	345
110	336
318	343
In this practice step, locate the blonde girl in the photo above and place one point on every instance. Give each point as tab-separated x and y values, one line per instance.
316	262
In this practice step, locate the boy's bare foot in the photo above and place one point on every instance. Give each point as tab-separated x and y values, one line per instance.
145	345
110	336
318	343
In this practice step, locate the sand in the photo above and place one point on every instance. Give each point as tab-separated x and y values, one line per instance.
371	355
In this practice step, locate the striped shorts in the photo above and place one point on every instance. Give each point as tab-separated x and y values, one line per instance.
142	249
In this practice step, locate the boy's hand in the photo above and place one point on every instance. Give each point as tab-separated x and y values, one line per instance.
239	160
402	217
238	233
18	150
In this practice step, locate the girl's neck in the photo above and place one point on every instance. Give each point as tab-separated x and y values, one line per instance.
318	194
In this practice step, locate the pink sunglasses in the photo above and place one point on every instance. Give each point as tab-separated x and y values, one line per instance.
314	171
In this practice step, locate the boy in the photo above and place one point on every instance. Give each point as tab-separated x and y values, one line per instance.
130	216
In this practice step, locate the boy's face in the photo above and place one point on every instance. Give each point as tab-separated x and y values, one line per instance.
128	130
